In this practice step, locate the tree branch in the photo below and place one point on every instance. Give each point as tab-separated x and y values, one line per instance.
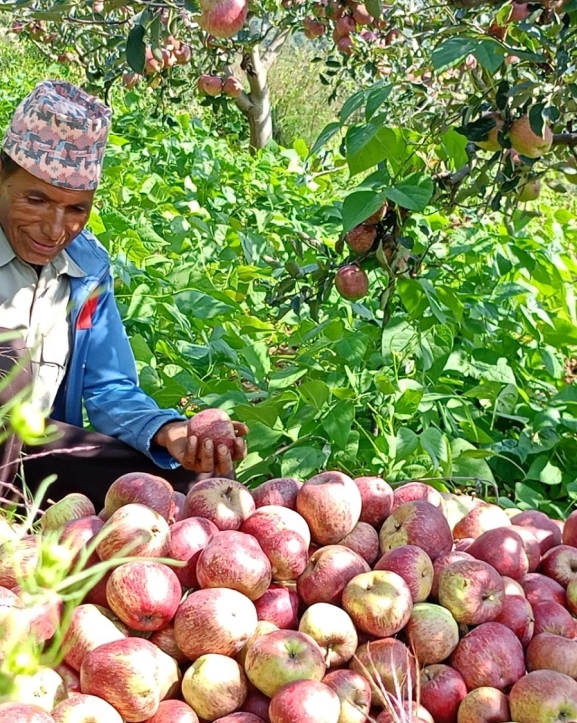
273	48
565	139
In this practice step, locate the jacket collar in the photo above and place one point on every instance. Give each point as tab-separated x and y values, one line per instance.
90	255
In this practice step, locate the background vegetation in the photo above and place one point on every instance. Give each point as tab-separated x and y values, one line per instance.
455	369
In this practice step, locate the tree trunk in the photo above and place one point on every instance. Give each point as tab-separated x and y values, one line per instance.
256	104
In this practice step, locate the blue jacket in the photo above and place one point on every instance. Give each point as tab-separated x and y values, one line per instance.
101	368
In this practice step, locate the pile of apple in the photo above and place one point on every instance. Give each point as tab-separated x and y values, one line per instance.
329	601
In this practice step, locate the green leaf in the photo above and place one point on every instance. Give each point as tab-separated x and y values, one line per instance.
543	471
351	104
142	352
376	98
337	424
201	306
375	7
435	444
359	205
135	49
258	359
328	132
413	192
316	393
369	144
142	306
285	377
408	403
406	442
490	54
353	348
463	466
451	52
453	145
302	462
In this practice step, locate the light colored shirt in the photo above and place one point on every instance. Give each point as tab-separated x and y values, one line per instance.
37	306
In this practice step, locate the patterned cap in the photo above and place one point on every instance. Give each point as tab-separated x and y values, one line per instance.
58	134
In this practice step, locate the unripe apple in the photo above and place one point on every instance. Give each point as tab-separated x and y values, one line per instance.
492	141
528	143
529	190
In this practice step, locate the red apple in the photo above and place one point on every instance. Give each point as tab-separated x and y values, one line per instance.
234	560
164	640
442	690
270	519
240	717
354	694
571	597
214	686
544	696
179	501
214	424
283	656
18	560
364	540
472	590
331	504
552	652
173	711
23	713
135	530
256	703
71	507
489	655
531	544
304	700
82	708
262	628
42	687
480	519
227	503
417	523
187	538
387	661
78	534
544	529
287	553
409	710
411	491
41	612
70	677
90	626
334	631
441	563
279	491
215	620
379	602
550	617
125	674
146	489
484	705
279	605
376	500
503	549
144	595
415	567
512	587
560	564
517	615
432	633
539	588
328	571
569	534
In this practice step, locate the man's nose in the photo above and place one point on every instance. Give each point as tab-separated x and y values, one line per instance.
53	226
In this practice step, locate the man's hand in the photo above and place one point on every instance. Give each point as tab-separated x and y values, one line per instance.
201	458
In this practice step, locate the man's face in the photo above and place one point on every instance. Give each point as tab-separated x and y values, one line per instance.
38	219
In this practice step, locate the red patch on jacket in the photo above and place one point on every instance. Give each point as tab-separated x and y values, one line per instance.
85	318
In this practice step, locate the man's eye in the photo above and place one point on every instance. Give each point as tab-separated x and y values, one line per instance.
35	201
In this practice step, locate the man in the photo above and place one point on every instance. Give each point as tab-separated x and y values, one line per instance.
56	291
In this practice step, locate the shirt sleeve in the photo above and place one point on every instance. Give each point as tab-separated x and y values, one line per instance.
114	402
